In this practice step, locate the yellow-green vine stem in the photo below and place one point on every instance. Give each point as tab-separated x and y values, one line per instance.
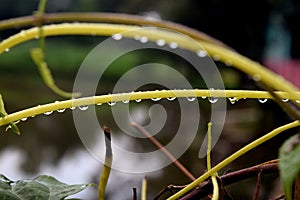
244	64
107	164
144	189
234	156
40	109
107	18
213	176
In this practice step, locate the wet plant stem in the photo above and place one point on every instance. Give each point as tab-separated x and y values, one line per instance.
234	156
213	176
242	63
107	164
165	151
40	109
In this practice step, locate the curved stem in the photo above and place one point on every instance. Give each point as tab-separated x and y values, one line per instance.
242	63
40	109
234	156
107	18
208	160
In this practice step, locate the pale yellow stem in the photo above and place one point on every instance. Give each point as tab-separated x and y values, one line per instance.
234	156
40	109
242	63
208	162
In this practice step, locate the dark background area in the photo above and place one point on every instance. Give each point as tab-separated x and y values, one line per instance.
243	25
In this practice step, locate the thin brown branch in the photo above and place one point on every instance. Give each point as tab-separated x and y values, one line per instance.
164	151
169	188
206	187
258	184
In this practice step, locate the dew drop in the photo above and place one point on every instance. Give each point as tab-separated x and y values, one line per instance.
137	37
73	108
173	45
256	77
203	97
201	53
191	99
297	101
83	107
171	98
160	42
138	100
24	119
213	99
6	50
156	99
117	36
285	100
262	100
216	57
99	104
48	112
144	39
125	101
232	100
112	103
61	110
228	63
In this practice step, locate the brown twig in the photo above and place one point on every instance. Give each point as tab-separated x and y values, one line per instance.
206	187
233	177
257	188
164	151
169	188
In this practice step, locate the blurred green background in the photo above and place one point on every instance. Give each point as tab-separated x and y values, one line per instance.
50	144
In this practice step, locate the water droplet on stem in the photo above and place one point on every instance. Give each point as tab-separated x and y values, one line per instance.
262	100
112	103
191	99
61	110
201	53
232	100
160	42
156	99
83	107
171	98
48	112
212	99
173	45
117	36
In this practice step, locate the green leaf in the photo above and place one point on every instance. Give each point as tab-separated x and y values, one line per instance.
41	188
289	163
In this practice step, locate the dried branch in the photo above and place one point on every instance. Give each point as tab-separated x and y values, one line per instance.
233	177
164	151
206	187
